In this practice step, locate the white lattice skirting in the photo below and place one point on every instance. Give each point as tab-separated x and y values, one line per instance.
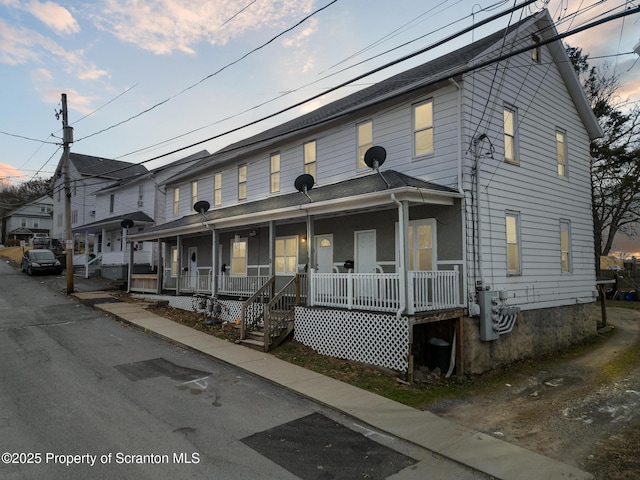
376	339
230	308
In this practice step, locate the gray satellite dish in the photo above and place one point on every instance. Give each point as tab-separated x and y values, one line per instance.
375	157
126	223
304	183
201	206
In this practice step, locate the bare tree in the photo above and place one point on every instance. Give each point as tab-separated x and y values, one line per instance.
615	158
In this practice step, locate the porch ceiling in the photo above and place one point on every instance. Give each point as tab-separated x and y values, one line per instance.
357	194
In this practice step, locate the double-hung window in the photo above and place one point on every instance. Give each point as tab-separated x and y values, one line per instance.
423	129
242	182
194	192
217	188
561	152
565	246
514	263
176	201
365	142
310	159
510	141
286	255
239	256
275	172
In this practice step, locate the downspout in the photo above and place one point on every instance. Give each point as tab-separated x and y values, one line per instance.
401	257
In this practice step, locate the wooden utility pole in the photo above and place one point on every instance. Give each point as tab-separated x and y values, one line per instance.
67	140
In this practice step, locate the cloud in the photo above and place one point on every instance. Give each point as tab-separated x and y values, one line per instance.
56	17
302	37
9	171
179	25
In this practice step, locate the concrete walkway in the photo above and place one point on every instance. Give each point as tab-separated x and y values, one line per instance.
477	450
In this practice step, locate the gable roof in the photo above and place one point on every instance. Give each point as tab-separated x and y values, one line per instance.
105	167
451	65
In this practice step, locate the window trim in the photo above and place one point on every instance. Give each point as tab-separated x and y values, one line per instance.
360	165
569	269
244	240
194	192
242	182
176	201
514	138
536	50
518	243
416	131
217	188
274	174
297	255
310	166
564	164
174	262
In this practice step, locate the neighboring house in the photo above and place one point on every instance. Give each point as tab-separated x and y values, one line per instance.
476	233
22	222
139	199
87	175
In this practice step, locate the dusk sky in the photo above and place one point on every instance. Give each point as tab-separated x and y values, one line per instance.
116	59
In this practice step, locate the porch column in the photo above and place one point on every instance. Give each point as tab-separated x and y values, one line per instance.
129	270
103	247
214	262
272	247
159	269
403	257
310	242
86	254
179	267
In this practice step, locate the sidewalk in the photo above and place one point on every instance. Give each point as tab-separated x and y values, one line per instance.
474	449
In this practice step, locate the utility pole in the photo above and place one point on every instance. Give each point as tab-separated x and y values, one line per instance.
67	139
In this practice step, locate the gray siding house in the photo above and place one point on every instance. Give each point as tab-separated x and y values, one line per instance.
446	206
22	222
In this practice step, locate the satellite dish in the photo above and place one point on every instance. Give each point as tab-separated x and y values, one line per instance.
375	157
126	223
201	206
304	182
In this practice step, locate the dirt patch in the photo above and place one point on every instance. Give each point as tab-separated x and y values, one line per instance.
580	408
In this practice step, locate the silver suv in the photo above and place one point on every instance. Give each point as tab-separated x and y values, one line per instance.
39	240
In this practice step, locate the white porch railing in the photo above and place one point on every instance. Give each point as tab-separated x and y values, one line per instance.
242	286
122	258
426	291
199	280
433	290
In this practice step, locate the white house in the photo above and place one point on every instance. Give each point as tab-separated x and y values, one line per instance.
22	222
87	174
446	206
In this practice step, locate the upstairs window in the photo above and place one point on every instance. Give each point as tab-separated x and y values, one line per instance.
536	54
365	142
176	201
565	246
194	192
275	172
423	128
140	195
112	202
561	152
217	189
242	182
310	164
510	140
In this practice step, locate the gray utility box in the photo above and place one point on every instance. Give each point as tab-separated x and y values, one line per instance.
488	301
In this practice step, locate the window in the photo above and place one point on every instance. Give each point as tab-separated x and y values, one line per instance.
174	261
510	145
310	164
23	222
36	223
513	243
112	202
239	256
535	51
140	195
217	189
561	152
421	245
423	128
242	182
286	255
176	201
565	246
275	172
74	216
59	220
194	192
365	142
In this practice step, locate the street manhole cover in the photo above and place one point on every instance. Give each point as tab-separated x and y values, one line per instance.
316	447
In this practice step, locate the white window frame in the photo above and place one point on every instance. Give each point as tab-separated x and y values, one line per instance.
419	130
217	188
565	265
364	140
176	201
286	255
174	262
518	242
194	192
274	167
233	258
510	134
561	151
310	158
242	182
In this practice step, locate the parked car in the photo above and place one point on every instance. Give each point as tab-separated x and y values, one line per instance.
40	261
39	239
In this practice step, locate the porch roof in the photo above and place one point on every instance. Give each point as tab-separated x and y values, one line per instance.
370	191
139	218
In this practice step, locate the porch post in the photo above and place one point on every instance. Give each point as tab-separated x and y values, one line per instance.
103	247
403	257
130	269
86	254
214	262
179	273
310	248
272	247
159	269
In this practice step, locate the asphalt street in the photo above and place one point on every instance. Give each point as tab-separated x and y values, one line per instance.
83	396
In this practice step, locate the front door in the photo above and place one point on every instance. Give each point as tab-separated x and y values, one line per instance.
324	253
365	261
